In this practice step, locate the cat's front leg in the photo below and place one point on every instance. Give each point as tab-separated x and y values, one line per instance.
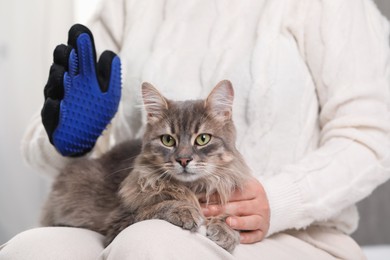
117	221
221	233
179	213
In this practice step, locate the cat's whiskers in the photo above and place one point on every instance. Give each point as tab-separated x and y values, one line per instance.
162	170
130	158
163	175
219	167
125	168
130	168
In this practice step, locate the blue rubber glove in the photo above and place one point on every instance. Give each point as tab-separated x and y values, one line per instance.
81	96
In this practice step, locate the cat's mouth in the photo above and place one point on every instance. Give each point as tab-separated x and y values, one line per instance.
186	175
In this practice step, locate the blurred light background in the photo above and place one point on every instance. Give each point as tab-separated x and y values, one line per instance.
29	32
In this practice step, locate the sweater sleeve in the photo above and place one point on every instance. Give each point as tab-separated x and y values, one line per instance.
107	27
345	45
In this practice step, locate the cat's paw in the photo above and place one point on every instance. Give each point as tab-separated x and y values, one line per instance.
185	216
218	231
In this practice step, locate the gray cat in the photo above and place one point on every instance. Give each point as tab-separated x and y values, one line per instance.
187	153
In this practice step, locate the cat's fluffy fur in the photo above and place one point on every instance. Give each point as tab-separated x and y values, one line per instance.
140	180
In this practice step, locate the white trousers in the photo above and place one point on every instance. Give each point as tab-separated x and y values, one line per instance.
157	239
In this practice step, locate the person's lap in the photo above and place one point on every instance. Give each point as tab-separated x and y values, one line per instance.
53	243
156	238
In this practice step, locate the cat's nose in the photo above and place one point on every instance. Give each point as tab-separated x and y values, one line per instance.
184	161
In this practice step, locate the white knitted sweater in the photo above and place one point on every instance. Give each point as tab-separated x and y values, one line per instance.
311	79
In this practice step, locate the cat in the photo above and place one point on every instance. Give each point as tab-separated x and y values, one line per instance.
187	153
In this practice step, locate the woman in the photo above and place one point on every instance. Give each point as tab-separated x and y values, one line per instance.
312	92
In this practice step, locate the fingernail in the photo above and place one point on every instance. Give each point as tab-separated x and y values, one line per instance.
242	238
205	211
213	207
232	222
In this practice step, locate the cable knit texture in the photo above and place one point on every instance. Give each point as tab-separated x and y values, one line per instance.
311	79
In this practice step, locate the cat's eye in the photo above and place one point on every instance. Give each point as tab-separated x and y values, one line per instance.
202	139
168	140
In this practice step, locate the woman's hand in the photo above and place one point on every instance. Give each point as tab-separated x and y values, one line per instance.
248	212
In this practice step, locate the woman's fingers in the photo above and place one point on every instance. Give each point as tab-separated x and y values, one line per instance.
248	211
251	236
212	210
243	208
246	223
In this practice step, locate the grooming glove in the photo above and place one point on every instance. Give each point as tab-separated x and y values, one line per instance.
81	96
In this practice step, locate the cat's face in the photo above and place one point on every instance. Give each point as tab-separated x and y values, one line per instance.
189	140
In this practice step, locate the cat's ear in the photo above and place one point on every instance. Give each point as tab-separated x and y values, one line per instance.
155	104
220	100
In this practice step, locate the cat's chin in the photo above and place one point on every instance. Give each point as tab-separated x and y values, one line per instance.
186	176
